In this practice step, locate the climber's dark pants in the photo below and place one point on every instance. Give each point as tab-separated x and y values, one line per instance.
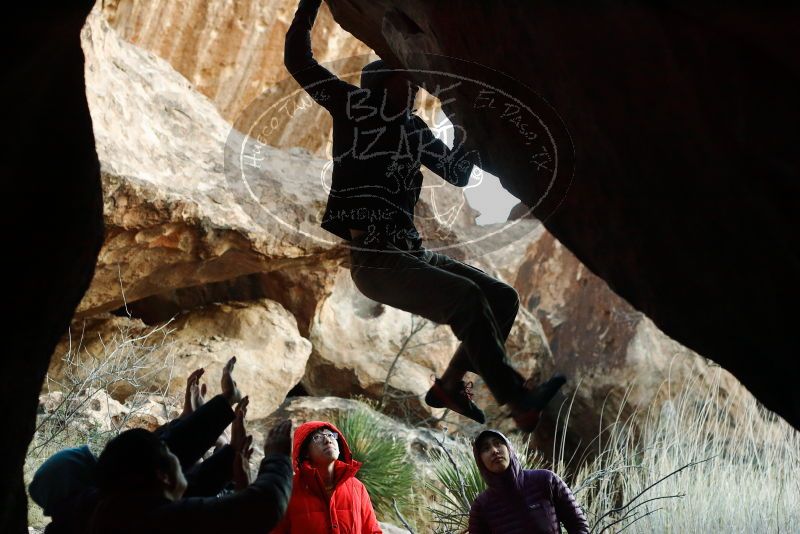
479	309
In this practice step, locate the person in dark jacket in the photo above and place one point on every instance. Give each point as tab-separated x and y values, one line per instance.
519	501
65	485
379	145
189	435
142	485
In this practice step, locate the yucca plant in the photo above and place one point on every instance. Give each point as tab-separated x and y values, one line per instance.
387	473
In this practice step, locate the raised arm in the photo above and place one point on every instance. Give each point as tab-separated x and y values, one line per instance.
256	509
212	475
453	165
320	83
191	437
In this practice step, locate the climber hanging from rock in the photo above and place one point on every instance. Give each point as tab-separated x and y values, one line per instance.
378	147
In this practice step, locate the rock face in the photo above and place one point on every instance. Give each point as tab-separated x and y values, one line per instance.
300	289
233	52
185	235
614	356
189	219
271	354
357	341
239	259
51	175
177	216
96	411
667	163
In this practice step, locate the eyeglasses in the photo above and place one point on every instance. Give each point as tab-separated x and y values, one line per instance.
322	436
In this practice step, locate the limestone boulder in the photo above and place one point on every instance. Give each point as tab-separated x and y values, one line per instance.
84	410
356	341
195	211
92	411
300	289
613	355
131	356
178	213
233	54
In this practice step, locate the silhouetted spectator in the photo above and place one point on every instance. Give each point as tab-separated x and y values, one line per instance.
519	501
142	486
65	486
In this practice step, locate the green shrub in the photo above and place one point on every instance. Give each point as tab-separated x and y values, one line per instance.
387	472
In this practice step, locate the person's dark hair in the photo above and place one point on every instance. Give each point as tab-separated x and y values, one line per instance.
302	456
132	461
485	435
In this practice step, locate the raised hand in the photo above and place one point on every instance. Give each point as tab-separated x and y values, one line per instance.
229	389
194	392
279	439
242	476
238	431
198	395
242	444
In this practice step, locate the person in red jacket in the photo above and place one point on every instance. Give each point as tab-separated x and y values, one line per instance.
326	496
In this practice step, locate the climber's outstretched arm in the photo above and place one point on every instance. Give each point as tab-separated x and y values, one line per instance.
320	83
453	165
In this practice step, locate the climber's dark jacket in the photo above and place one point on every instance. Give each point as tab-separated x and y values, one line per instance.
376	180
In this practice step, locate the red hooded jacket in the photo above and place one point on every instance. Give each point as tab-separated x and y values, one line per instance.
348	511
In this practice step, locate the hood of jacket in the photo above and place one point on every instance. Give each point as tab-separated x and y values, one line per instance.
346	467
67	473
512	477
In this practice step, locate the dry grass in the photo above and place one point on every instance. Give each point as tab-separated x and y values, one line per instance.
686	468
84	412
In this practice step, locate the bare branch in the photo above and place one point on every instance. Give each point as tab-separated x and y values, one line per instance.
402	519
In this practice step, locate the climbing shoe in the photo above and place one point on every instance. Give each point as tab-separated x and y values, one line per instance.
527	411
458	400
